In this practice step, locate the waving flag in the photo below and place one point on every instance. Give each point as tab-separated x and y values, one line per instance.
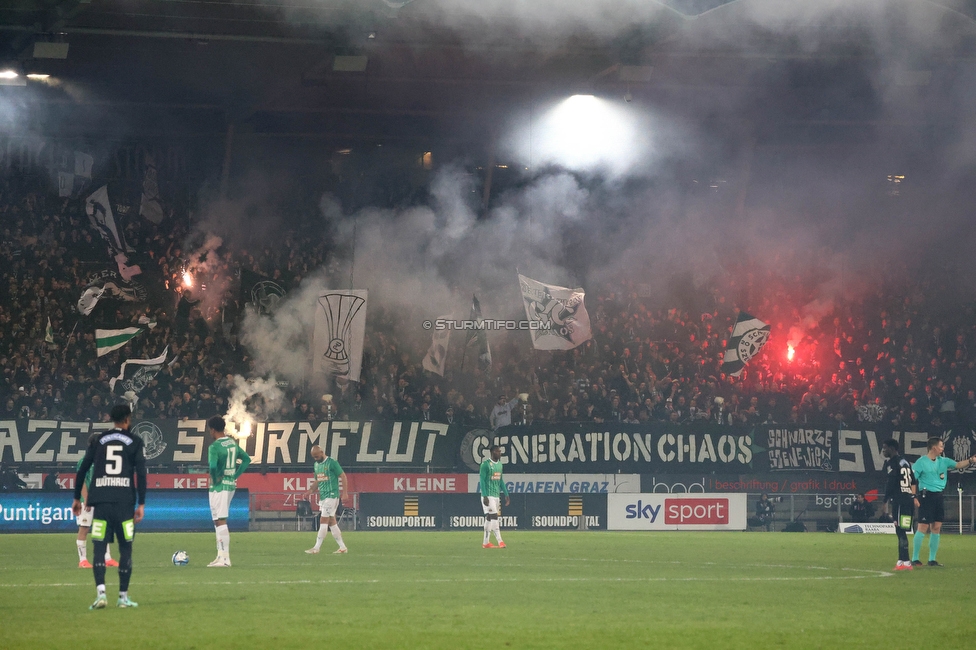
479	334
749	335
563	323
436	358
108	340
136	374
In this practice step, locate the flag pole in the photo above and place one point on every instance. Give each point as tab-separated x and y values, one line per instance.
64	357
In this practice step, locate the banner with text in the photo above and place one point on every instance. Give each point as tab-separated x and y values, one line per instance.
590	448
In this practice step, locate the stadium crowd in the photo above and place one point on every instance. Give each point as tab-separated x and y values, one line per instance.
893	354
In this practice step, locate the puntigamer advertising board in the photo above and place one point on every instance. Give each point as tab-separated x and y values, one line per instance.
33	511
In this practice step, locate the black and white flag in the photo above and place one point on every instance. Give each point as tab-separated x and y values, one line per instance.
480	335
136	374
749	335
436	358
261	293
109	285
150	206
74	170
99	211
558	315
340	331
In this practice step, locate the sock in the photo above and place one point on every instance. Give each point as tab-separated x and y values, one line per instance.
337	534
82	549
125	565
100	589
223	541
903	555
123	595
323	531
98	566
934	546
917	545
487	531
108	553
497	527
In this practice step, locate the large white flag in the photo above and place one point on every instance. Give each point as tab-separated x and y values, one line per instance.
749	335
436	358
340	330
559	315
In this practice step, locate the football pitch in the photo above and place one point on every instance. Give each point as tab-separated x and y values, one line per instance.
442	590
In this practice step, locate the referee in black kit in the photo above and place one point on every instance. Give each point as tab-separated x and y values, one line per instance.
118	483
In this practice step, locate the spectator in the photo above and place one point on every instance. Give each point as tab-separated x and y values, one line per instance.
764	512
861	510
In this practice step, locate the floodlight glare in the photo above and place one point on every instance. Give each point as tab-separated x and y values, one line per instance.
38	77
585	132
8	74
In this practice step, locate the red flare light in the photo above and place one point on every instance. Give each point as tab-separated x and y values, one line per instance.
187	280
789	353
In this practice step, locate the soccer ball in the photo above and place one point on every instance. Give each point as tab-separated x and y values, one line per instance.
181	558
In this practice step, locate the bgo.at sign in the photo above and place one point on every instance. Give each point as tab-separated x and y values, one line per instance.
676	511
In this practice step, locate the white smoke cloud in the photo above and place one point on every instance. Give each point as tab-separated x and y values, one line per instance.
251	400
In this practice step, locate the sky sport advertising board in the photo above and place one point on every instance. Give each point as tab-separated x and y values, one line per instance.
676	511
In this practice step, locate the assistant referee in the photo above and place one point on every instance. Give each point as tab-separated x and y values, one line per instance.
931	470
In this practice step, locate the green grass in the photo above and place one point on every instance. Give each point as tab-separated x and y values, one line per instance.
442	590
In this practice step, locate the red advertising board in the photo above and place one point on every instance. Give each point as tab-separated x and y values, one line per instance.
283	491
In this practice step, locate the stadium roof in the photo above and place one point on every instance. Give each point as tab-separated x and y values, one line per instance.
354	67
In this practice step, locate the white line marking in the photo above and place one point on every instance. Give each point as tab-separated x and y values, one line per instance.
868	573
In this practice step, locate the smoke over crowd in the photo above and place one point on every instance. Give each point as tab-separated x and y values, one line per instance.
827	147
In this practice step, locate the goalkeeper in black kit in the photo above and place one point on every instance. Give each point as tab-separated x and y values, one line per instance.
900	490
118	484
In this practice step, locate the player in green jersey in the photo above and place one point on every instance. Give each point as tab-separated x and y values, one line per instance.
492	486
930	470
84	525
327	474
227	462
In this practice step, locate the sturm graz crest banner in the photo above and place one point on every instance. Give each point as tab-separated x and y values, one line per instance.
136	374
340	329
261	293
749	335
559	312
108	284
